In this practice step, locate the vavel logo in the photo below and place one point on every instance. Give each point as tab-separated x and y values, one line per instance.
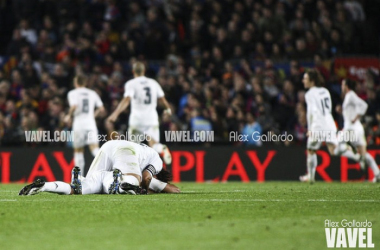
352	234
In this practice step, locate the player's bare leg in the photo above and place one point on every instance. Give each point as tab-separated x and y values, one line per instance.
161	149
311	163
342	149
94	148
39	185
370	161
79	158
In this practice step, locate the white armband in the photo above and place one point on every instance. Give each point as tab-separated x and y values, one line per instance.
157	185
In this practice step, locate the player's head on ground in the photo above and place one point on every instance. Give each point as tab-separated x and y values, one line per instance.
164	176
347	85
79	81
312	78
138	69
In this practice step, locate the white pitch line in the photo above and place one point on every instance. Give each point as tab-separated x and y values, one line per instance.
187	200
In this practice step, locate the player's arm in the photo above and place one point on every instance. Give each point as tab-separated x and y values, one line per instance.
73	105
360	108
157	186
146	178
162	101
101	111
120	108
309	113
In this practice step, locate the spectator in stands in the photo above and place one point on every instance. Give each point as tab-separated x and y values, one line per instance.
222	58
251	131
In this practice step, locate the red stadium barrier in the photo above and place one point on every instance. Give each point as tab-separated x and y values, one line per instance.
355	67
192	164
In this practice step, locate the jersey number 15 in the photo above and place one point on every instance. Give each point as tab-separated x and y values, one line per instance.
325	105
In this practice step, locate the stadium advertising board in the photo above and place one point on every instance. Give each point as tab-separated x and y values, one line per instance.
355	67
198	164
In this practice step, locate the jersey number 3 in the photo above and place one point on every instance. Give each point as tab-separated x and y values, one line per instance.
148	96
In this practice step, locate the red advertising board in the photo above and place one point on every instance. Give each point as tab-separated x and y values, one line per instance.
199	164
355	67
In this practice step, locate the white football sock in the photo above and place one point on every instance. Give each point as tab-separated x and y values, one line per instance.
340	148
57	187
158	147
372	164
94	151
79	161
350	155
343	150
312	163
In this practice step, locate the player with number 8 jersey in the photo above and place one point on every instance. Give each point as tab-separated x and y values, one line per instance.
82	102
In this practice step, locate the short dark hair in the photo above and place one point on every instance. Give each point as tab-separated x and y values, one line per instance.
316	77
351	84
164	175
81	80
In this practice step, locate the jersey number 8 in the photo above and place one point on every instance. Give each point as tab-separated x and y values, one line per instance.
85	106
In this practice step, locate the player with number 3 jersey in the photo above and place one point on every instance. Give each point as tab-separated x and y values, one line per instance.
143	93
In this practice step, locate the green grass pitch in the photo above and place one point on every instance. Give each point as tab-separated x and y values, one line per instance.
233	215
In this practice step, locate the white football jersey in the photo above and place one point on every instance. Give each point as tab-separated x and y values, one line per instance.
144	93
85	101
146	155
352	106
319	105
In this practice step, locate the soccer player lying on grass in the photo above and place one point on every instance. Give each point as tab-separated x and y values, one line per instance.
101	182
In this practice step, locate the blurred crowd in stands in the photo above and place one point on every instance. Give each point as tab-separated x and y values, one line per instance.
204	53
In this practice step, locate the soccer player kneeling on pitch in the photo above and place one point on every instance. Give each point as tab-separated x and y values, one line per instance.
321	125
138	162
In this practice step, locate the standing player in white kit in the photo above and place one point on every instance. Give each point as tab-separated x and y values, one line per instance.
143	92
320	124
82	103
353	109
